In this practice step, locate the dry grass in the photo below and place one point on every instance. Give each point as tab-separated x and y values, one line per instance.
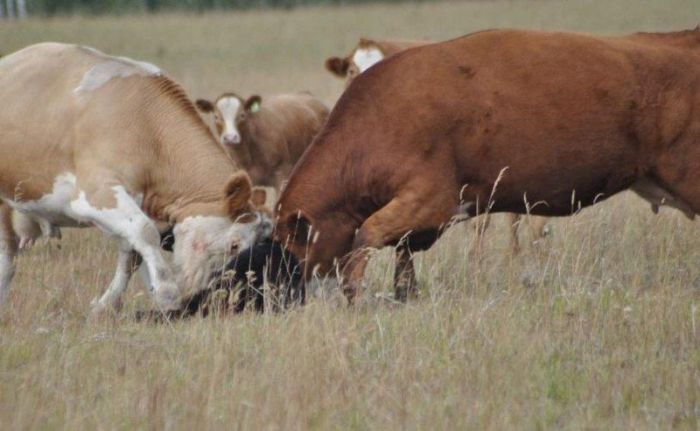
594	328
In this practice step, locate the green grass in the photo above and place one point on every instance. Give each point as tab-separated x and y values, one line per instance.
594	328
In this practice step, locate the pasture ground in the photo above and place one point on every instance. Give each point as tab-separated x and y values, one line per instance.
594	328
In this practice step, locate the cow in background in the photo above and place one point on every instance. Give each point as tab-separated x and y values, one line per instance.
366	54
266	136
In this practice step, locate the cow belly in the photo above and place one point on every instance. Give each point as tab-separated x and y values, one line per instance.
53	206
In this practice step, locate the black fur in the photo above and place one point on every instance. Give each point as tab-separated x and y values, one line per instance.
244	276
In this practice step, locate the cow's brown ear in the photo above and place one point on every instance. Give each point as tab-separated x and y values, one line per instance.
237	193
259	197
204	105
338	66
253	103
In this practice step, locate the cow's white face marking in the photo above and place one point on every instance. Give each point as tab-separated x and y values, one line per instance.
113	67
202	242
227	108
365	58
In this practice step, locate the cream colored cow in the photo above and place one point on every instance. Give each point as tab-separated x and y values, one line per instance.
93	140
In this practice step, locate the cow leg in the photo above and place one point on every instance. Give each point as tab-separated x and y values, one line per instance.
403	214
115	212
404	275
128	261
8	252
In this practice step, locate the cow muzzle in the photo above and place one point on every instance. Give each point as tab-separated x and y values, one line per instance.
231	139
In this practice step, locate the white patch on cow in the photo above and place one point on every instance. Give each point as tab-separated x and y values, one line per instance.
365	58
228	108
124	217
113	67
201	242
127	222
52	206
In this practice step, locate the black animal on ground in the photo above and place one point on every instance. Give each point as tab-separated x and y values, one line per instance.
242	281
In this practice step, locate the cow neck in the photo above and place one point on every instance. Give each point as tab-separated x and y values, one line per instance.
323	190
191	170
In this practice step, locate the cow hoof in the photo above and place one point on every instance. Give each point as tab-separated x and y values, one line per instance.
167	298
99	308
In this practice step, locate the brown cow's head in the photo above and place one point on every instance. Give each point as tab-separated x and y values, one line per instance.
317	242
231	115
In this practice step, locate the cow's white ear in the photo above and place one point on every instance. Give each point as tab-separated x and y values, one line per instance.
253	103
237	193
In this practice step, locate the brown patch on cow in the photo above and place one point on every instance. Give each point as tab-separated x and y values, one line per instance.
238	192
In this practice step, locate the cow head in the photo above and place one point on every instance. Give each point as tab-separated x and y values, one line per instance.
361	59
317	242
231	115
217	230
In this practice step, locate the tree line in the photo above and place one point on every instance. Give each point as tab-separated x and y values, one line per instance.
22	8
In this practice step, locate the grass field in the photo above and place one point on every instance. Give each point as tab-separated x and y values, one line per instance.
594	328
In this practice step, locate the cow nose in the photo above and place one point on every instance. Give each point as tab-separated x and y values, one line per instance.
231	139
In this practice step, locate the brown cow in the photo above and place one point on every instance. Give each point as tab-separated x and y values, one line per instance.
93	140
266	137
500	118
367	53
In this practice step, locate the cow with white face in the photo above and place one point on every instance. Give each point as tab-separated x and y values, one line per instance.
120	148
266	136
366	54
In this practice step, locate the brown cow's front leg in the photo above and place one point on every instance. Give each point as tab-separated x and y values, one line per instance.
411	212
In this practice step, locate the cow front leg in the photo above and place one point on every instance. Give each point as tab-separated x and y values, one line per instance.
114	211
8	252
127	263
404	214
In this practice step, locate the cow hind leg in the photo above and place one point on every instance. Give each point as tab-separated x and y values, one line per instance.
115	212
8	252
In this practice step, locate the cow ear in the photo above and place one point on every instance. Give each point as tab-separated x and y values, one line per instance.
259	197
253	103
237	193
337	66
204	105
